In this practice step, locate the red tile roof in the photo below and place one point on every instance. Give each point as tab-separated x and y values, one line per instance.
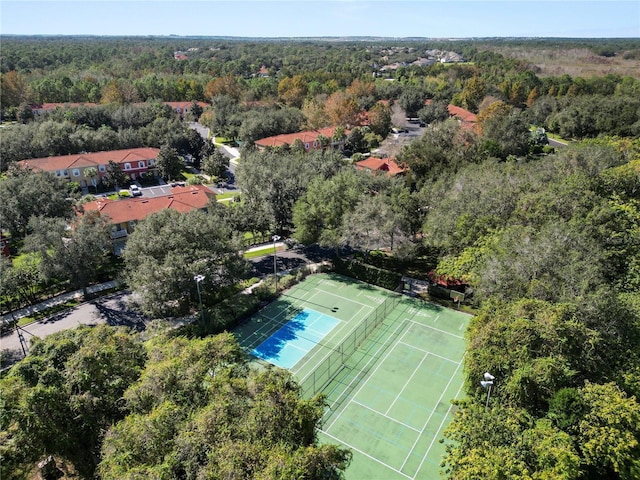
182	105
462	114
78	160
182	199
468	119
308	136
387	165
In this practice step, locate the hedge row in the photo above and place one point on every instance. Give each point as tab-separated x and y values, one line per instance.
367	273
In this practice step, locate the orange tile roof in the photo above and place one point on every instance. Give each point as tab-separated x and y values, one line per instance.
182	105
462	114
182	199
308	136
387	165
51	164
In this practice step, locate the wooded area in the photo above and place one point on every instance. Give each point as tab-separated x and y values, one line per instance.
546	238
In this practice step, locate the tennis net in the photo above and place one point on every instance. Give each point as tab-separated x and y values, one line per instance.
333	363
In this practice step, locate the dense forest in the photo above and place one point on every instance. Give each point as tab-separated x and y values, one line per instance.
547	238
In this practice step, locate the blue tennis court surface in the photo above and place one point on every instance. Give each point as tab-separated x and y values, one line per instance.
295	338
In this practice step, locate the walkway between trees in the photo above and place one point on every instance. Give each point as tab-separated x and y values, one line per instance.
57	300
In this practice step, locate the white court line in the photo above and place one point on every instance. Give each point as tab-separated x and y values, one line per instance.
407	382
436	329
436	319
373	358
373	298
429	419
268	326
444	419
394	420
297	347
366	455
429	352
344	298
331	350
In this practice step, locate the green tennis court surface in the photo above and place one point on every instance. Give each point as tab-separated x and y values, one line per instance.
389	366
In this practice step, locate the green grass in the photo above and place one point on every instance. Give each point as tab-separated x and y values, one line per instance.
48	312
259	252
187	175
226	196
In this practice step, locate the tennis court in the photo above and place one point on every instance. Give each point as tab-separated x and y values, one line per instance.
389	366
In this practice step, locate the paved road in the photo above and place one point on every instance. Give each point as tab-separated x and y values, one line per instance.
556	143
290	259
112	310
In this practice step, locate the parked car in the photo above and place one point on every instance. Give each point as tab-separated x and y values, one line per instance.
135	190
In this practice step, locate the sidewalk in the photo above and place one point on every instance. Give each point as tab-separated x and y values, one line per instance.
60	299
38	307
232	152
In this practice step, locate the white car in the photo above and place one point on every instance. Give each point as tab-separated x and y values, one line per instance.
135	190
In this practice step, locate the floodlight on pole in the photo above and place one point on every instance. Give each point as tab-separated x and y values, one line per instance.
198	279
487	383
275	238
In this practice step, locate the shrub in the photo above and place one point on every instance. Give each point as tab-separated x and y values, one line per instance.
368	273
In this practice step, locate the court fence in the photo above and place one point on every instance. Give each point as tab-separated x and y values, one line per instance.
329	368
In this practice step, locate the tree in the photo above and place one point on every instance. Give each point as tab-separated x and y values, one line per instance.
196	111
292	90
356	141
167	249
77	254
225	120
216	164
434	111
609	432
169	164
318	214
24	194
439	151
560	262
505	129
411	100
380	119
227	85
200	404
370	225
262	123
472	94
13	89
114	176
506	443
271	182
92	173
20	281
190	144
314	114
341	109
119	91
535	348
63	396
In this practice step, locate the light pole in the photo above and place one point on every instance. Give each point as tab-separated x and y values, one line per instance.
275	238
487	383
198	279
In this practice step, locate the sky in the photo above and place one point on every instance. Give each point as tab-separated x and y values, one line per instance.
328	18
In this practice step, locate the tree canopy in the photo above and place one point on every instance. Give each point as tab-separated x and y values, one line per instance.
165	252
